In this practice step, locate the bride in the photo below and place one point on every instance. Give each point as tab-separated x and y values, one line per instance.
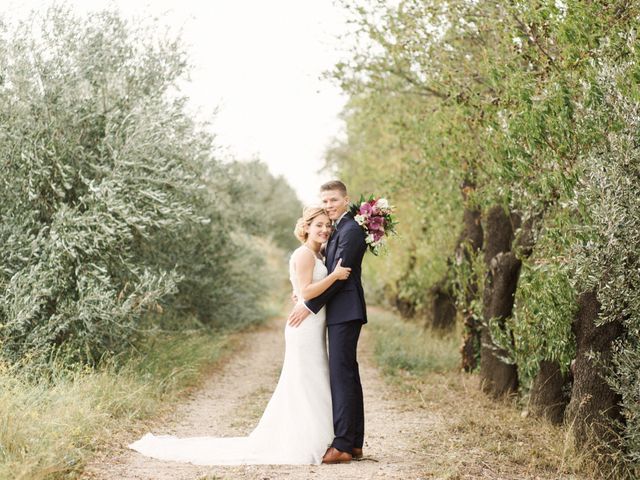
296	426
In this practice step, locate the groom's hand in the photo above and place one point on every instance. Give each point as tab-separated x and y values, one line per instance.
297	315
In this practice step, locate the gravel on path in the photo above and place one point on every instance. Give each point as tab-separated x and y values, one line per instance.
232	400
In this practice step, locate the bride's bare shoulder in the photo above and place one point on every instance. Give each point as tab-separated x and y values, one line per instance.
303	255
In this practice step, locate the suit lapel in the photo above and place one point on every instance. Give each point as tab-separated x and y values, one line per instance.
333	241
331	249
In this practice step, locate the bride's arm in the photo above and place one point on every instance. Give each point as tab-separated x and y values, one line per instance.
304	265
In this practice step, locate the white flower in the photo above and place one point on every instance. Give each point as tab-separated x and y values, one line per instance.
369	238
360	219
382	203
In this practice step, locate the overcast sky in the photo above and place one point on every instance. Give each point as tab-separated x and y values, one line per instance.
258	62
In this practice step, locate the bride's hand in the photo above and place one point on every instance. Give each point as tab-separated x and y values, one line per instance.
340	272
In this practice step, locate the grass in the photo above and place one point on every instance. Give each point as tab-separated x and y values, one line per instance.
401	346
49	429
474	436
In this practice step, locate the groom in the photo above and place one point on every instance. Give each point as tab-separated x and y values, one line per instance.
346	313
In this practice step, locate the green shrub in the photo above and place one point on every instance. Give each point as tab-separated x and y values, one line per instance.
608	262
111	203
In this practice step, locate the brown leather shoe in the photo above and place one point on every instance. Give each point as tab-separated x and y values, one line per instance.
357	453
333	455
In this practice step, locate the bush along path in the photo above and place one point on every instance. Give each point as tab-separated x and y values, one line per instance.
424	419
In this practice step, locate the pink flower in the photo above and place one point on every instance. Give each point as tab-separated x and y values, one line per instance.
365	209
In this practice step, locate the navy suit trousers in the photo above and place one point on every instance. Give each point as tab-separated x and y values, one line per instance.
346	389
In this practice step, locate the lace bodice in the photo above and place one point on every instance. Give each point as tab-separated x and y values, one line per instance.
319	271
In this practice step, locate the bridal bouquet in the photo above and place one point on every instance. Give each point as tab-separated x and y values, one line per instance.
375	216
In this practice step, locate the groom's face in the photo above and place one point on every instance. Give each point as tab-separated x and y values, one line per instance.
335	203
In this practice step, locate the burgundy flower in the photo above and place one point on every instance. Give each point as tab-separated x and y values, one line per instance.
376	223
375	218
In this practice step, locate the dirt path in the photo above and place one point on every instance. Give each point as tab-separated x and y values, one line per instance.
232	400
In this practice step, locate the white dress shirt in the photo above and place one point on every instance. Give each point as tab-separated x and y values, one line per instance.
335	225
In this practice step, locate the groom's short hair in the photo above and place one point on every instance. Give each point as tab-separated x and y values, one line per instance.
334	185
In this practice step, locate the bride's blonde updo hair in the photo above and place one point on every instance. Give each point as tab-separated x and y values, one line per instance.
308	215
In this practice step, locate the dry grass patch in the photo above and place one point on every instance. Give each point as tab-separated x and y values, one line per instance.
49	429
476	437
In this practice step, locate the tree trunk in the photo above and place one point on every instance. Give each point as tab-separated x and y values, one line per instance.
503	268
498	377
469	243
443	306
548	396
594	405
406	307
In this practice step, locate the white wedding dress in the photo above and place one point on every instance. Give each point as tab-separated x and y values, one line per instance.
296	426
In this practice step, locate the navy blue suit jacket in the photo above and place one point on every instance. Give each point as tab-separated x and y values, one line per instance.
345	298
